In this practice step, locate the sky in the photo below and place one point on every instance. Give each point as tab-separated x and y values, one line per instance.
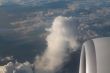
38	36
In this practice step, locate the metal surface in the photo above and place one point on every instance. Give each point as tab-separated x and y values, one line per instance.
95	56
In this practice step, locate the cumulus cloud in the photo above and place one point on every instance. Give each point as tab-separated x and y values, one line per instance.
63	37
60	41
25	67
7	68
8	58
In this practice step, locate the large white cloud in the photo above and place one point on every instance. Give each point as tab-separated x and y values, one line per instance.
60	41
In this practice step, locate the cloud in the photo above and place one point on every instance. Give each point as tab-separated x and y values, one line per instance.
60	41
26	2
7	68
1	2
30	24
8	58
19	2
25	67
87	21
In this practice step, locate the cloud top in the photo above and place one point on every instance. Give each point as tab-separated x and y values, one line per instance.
59	42
25	67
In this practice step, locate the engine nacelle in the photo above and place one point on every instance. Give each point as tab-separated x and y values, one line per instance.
95	56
